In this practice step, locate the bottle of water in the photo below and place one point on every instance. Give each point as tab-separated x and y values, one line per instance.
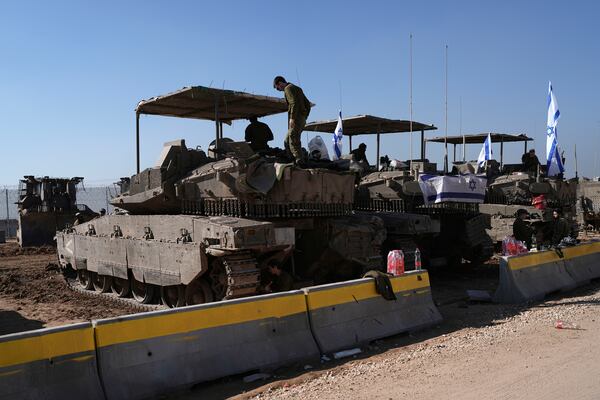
395	262
533	243
417	259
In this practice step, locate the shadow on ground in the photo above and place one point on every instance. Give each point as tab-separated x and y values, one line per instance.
12	322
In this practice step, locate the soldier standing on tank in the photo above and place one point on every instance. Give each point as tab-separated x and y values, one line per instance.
298	110
258	134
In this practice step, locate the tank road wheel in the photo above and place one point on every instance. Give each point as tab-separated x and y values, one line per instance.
198	292
142	292
218	278
173	296
101	282
84	279
120	287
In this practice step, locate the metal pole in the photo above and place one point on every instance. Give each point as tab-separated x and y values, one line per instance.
349	143
454	152
422	144
7	215
464	150
411	101
525	147
378	140
501	153
446	119
576	166
137	140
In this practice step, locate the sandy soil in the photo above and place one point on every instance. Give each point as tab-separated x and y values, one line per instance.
33	293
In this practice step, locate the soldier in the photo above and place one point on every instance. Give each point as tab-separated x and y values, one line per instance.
530	162
359	154
258	134
521	229
280	280
298	110
560	227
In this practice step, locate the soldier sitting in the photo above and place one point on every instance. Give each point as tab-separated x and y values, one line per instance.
258	134
359	154
530	162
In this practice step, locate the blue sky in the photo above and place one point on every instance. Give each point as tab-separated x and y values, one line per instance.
71	73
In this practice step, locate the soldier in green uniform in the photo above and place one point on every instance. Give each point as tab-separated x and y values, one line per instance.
258	134
298	110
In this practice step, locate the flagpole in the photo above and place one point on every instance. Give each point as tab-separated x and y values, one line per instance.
411	102
446	119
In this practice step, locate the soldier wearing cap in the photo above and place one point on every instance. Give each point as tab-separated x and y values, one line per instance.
298	110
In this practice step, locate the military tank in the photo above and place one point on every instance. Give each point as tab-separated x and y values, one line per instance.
588	204
444	233
510	187
201	227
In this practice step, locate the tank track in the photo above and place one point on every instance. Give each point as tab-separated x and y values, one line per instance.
130	303
242	275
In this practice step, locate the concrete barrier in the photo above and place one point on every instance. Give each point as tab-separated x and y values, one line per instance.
153	353
51	363
582	262
532	276
344	315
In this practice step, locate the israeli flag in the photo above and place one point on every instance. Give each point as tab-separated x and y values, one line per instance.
486	151
337	138
452	188
554	162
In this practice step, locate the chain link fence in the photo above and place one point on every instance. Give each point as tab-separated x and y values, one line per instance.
95	197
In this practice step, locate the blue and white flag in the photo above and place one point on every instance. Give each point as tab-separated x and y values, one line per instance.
337	138
486	151
450	188
553	160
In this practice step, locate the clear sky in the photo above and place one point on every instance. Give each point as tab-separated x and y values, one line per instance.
71	73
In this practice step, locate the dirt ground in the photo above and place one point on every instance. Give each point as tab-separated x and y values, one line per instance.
34	294
480	350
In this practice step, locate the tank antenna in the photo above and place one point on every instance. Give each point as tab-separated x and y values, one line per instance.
411	99
446	119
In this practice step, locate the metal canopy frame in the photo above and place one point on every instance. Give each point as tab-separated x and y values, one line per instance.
199	102
479	138
371	125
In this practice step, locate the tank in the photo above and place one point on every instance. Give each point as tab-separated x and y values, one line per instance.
201	227
507	193
588	204
46	205
445	233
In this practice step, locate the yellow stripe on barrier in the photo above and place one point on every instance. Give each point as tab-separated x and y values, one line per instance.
581	250
45	347
130	330
363	291
544	257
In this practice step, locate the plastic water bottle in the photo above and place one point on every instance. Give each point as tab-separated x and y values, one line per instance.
533	243
395	262
417	259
